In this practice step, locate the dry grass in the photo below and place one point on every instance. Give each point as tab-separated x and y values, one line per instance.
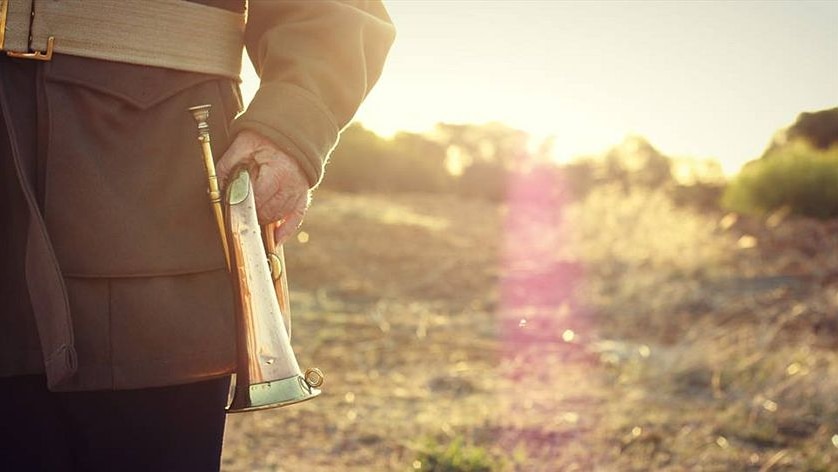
621	333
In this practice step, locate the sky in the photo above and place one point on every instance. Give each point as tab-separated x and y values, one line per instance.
697	79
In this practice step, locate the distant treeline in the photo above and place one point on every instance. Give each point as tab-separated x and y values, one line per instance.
798	171
477	161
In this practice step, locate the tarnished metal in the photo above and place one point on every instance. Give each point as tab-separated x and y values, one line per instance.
268	373
238	191
4	13
314	377
45	55
276	262
201	115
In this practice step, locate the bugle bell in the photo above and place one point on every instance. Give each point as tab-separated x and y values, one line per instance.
267	372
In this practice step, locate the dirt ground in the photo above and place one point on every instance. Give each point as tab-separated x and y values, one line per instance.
618	333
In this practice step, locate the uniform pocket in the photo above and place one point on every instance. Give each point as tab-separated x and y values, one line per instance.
125	186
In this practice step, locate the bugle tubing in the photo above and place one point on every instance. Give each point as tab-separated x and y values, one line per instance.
267	372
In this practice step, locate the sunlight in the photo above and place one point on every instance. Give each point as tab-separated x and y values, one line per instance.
456	160
250	81
590	74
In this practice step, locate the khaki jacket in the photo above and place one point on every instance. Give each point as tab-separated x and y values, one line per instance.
124	267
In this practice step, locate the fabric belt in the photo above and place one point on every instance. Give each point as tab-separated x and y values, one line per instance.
164	33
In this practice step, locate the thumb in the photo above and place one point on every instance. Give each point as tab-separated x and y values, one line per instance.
235	154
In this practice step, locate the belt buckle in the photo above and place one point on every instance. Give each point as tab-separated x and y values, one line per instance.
35	55
4	11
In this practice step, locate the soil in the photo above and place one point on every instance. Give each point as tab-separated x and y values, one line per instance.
619	333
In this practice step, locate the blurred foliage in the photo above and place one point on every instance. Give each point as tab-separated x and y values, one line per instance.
478	161
798	170
483	155
636	163
818	128
795	176
454	456
469	160
366	162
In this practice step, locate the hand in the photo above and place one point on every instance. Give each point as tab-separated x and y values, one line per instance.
280	188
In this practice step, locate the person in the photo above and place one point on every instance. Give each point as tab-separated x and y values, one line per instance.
116	329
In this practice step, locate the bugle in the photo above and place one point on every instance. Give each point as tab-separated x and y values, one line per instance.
267	372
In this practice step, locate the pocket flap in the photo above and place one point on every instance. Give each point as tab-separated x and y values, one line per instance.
140	86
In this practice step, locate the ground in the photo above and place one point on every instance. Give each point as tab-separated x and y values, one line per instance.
621	332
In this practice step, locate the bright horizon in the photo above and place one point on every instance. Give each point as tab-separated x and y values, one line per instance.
704	80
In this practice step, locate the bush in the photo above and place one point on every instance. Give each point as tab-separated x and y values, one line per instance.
353	165
455	456
483	180
795	176
702	196
366	162
819	128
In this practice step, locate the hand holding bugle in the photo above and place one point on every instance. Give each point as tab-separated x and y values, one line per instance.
267	374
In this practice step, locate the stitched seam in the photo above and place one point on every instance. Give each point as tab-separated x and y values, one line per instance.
215	354
223	104
40	225
47	142
110	332
136	103
139	275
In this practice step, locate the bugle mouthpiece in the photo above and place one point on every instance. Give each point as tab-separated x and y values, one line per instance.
201	115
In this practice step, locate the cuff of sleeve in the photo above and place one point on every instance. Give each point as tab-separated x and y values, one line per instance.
296	121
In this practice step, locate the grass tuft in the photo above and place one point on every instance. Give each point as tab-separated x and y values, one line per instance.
454	456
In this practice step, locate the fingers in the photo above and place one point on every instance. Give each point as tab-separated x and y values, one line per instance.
289	225
291	210
280	187
275	209
270	191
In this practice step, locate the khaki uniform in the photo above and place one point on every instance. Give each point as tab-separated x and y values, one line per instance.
106	209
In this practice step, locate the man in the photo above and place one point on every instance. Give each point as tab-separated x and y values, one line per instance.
116	329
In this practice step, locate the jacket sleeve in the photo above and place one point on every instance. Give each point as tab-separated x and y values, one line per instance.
317	60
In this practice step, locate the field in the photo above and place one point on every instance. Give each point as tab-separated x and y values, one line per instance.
618	333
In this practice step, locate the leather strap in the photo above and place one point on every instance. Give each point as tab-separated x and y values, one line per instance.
46	284
164	33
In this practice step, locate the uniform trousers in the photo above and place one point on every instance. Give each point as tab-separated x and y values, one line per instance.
178	428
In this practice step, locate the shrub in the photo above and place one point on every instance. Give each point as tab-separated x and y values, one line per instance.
455	456
819	128
485	180
795	176
701	196
354	163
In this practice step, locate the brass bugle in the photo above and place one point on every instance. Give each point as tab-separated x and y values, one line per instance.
267	372
201	115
